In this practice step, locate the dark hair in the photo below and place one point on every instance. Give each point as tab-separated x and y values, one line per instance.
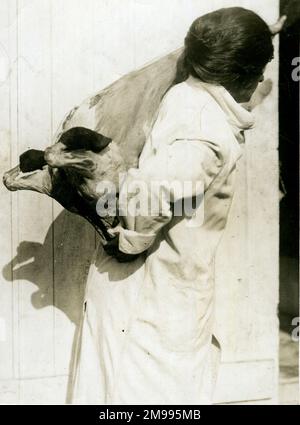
228	46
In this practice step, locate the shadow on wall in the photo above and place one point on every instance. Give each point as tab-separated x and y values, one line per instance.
60	279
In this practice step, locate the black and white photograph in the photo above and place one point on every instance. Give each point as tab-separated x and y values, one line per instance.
149	204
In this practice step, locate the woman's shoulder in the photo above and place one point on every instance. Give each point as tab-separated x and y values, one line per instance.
192	113
184	94
183	99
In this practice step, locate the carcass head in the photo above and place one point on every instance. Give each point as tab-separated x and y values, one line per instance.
70	171
87	158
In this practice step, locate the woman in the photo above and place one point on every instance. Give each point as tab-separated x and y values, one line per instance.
147	332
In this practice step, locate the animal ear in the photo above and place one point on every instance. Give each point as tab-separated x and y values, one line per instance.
101	142
32	160
83	138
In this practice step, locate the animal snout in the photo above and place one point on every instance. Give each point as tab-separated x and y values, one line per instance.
5	180
9	178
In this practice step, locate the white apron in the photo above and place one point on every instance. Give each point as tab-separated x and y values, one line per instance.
147	328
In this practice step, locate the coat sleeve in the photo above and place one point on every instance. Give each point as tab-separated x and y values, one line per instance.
182	169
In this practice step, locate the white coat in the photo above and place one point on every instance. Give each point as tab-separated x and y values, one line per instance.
147	330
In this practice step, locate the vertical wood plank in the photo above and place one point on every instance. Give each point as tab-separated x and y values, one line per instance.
160	27
7	49
247	261
74	238
113	46
34	276
14	132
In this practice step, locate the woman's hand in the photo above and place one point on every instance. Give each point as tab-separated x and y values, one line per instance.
276	28
112	249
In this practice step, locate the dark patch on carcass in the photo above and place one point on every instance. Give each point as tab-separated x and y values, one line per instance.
83	138
94	100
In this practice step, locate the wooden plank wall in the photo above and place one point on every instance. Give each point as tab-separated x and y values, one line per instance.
56	53
248	295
